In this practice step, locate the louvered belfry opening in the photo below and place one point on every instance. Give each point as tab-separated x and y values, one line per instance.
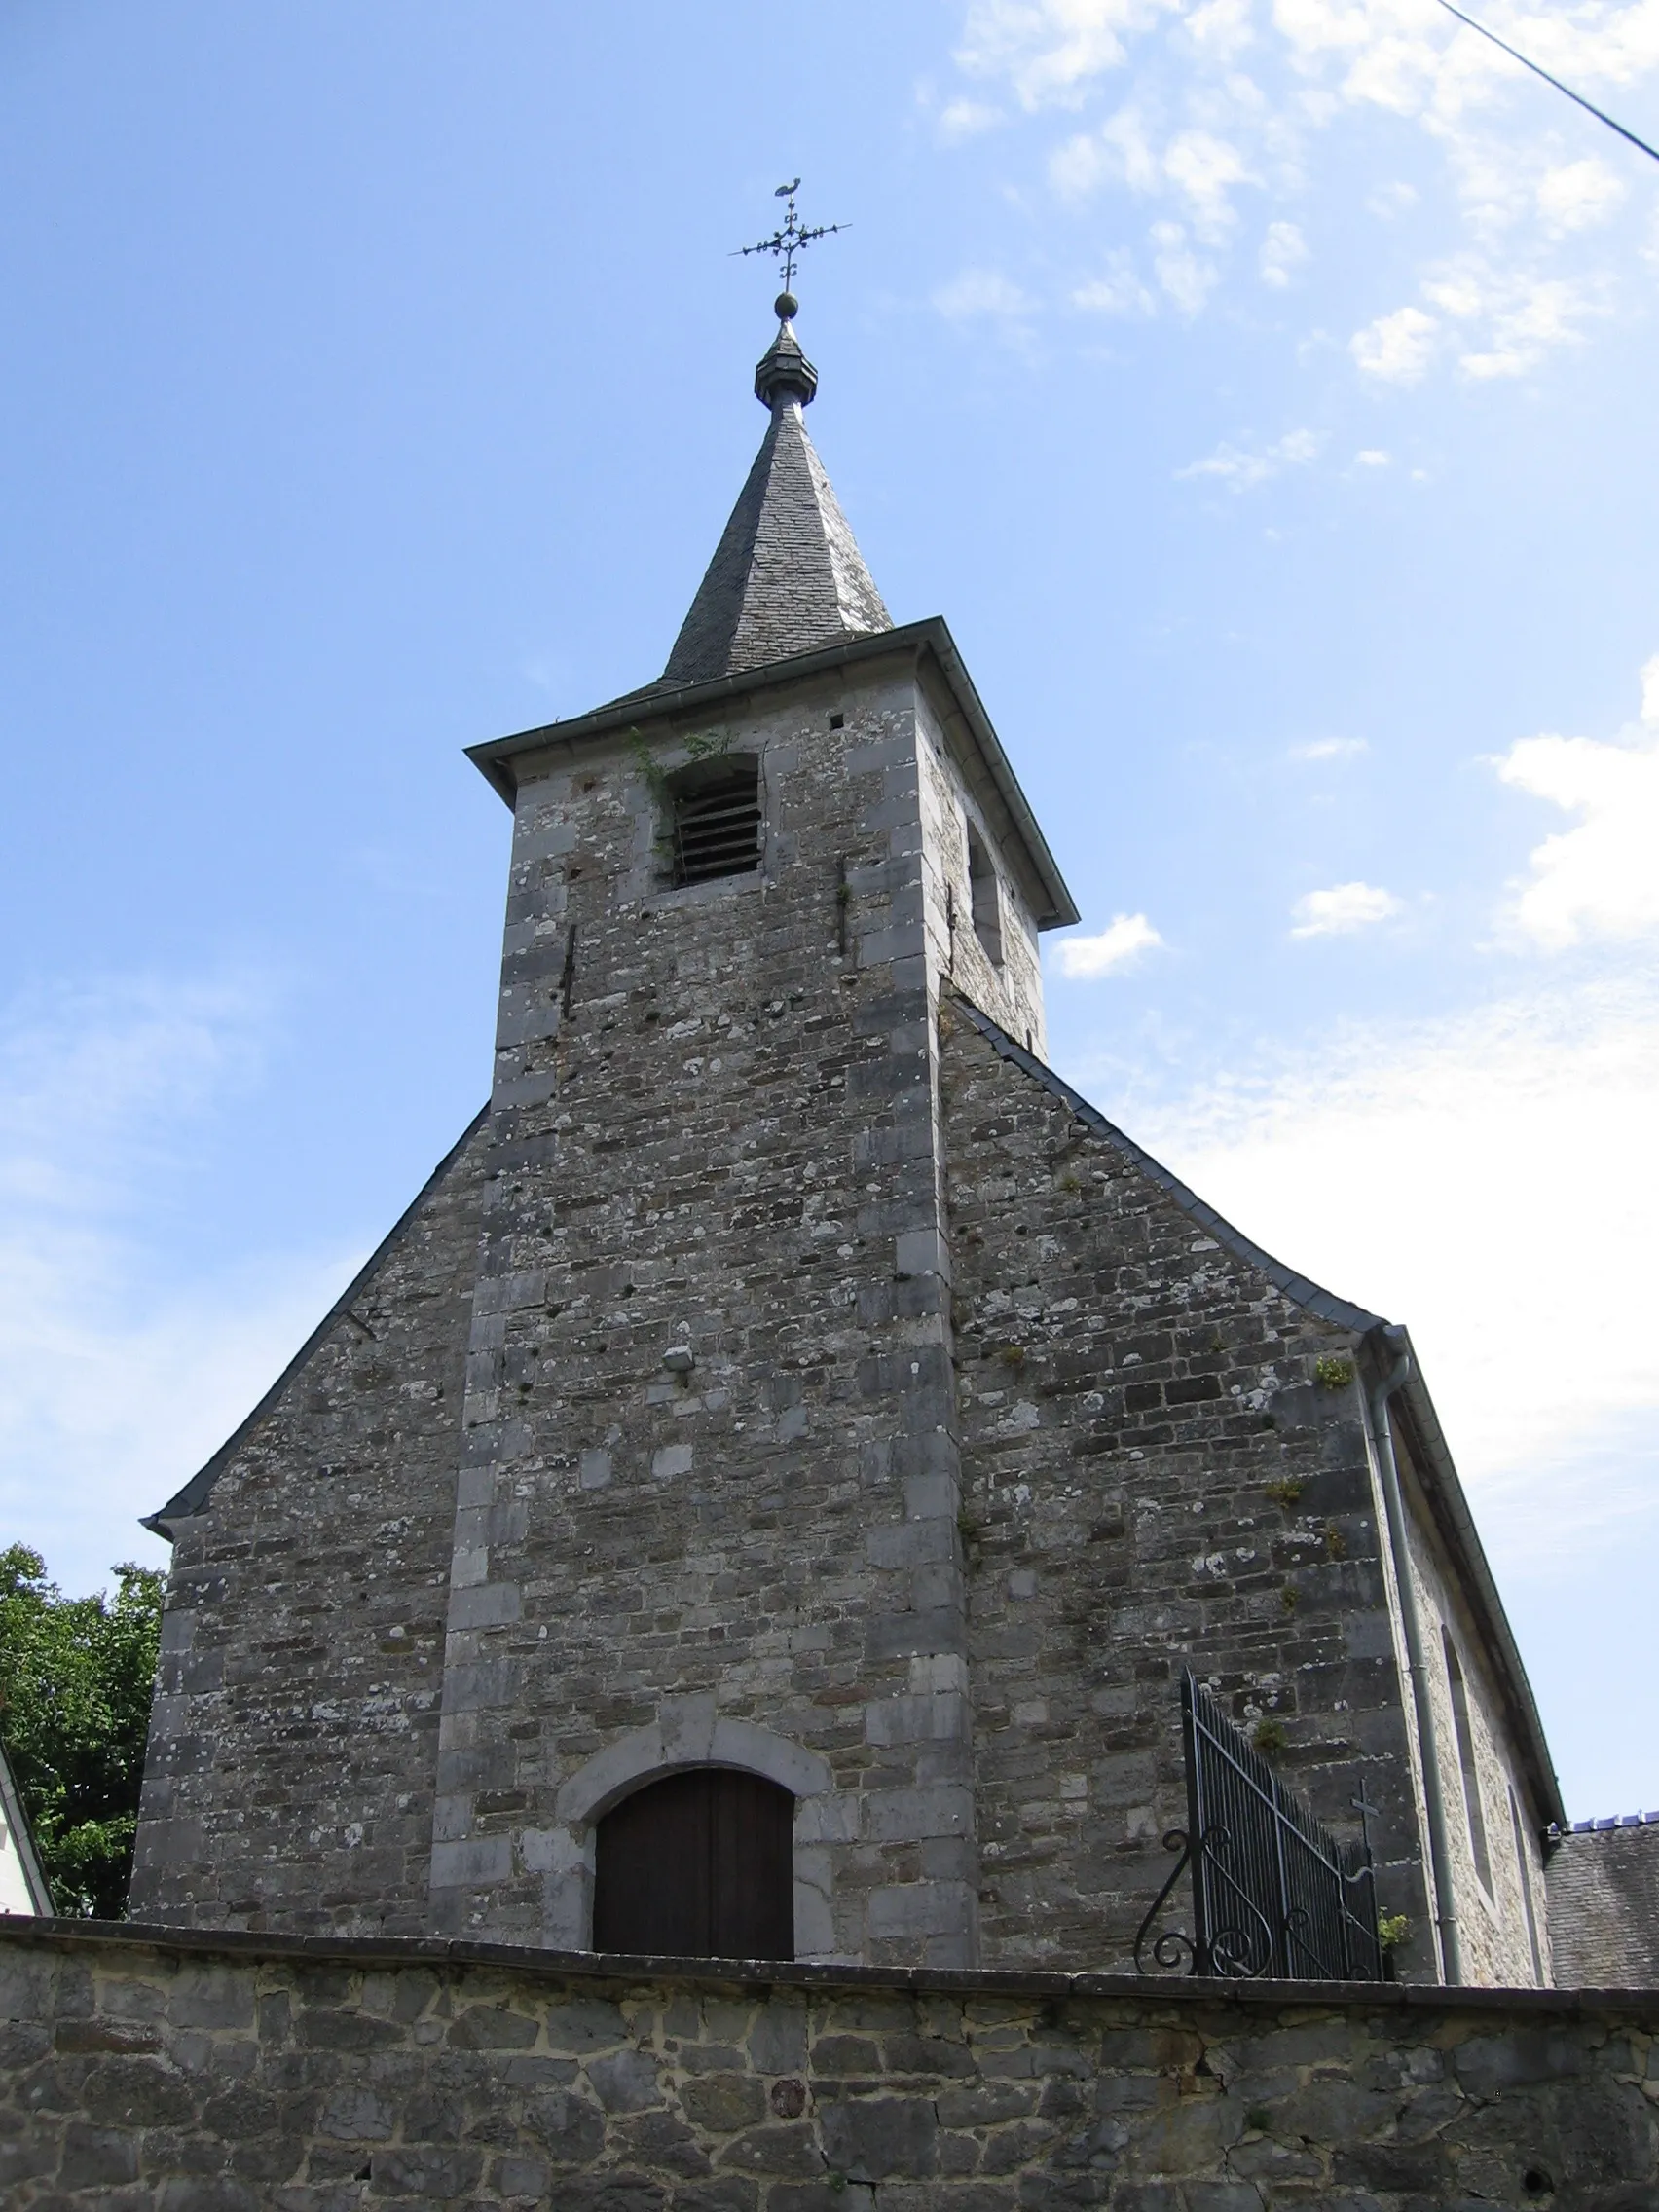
699	1865
715	808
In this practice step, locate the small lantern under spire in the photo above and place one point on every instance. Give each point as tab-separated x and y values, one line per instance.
783	373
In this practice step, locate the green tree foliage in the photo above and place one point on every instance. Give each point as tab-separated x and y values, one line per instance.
75	1679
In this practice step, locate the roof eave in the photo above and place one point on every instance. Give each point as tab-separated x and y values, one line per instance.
186	1503
1054	906
1052	902
1382	1343
1323	1305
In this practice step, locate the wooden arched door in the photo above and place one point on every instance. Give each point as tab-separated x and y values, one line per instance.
698	1866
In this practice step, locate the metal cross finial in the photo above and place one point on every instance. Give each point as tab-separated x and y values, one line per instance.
791	239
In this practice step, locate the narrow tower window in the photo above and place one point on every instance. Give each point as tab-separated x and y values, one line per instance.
715	819
1467	1760
986	897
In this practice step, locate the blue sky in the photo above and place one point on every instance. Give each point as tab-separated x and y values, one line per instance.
1261	390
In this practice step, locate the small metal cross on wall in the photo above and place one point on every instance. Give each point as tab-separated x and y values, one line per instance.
790	238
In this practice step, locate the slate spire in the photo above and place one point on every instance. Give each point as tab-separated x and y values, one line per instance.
786	577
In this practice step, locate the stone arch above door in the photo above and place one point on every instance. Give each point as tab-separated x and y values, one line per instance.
690	1733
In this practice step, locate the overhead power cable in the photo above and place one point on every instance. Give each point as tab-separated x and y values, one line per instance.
1640	143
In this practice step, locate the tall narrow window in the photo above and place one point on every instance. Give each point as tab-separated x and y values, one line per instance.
715	819
1525	1876
1467	1760
986	897
699	1865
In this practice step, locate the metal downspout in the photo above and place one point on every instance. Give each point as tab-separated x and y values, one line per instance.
1434	1803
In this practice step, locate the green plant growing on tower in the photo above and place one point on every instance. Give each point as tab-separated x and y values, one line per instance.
706	745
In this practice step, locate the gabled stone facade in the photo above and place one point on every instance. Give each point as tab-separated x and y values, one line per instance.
293	1740
844	1399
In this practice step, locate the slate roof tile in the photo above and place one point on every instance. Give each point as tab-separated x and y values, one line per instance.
786	577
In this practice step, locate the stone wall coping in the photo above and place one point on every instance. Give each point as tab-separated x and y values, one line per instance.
627	1969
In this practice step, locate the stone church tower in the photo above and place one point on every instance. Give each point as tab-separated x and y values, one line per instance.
793	1427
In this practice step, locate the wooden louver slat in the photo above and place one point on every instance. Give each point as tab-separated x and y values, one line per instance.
716	829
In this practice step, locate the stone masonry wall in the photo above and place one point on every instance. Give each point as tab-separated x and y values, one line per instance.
714	1129
1494	1934
293	1738
145	2073
1010	993
1153	1476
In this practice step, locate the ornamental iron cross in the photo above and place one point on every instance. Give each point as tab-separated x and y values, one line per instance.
791	239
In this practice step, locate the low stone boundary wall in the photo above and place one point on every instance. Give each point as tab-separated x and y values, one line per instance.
144	2070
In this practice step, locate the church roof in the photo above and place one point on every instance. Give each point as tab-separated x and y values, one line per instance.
193	1497
1433	1458
1300	1289
786	577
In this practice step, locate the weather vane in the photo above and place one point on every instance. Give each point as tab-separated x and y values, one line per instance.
791	239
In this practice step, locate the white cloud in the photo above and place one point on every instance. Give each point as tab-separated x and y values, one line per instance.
1601	879
1078	164
966	118
1117	291
1392	199
1196	167
1220	30
1193	127
1512	320
1531	320
982	292
1343	908
114	1387
1330	749
1397	348
1283	251
1373	457
1049	49
1492	1180
1186	279
1205	169
1579	195
1242	471
1122	943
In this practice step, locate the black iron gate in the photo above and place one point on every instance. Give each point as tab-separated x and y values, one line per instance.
1275	1895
